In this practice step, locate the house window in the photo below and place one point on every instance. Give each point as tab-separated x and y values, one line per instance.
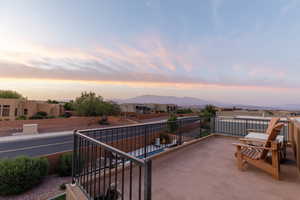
25	111
0	110
16	112
6	110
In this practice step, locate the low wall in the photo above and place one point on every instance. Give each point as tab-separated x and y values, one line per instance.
52	125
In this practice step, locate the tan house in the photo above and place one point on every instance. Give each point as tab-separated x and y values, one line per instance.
146	108
10	109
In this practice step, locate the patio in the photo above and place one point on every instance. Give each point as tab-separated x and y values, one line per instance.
202	168
207	170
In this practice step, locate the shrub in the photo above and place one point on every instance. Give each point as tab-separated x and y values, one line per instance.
65	165
22	117
184	111
8	94
39	115
20	174
172	124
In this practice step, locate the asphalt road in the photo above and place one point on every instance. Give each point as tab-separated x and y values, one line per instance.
45	144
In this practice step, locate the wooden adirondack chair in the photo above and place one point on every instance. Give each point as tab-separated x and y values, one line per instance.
257	155
271	124
259	142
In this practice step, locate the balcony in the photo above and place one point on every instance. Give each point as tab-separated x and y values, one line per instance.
202	168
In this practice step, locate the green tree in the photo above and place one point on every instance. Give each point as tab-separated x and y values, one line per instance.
69	106
52	101
89	104
208	112
8	94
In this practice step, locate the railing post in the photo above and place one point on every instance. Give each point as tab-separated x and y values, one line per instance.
212	124
148	180
180	122
145	145
74	156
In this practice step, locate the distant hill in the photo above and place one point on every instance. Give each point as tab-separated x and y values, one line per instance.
196	102
181	101
289	107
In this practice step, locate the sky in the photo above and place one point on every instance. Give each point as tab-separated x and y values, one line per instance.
231	51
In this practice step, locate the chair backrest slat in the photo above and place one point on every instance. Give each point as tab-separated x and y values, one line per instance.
272	123
272	136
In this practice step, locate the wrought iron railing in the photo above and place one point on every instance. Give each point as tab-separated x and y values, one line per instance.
113	163
239	126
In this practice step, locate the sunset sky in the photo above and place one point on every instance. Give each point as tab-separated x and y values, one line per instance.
233	51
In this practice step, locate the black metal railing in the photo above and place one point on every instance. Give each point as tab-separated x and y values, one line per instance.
240	126
113	163
143	140
106	173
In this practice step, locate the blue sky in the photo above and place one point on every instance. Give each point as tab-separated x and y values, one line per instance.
231	51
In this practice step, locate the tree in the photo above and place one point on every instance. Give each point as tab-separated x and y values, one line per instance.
9	94
52	101
89	104
208	112
69	106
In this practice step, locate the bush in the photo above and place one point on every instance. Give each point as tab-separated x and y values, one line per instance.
65	165
22	117
184	111
20	174
39	115
172	124
8	94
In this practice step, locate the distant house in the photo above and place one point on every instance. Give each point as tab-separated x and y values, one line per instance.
147	108
10	109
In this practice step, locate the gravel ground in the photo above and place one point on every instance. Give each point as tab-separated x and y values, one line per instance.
48	188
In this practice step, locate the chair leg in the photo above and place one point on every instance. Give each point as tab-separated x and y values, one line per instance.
239	158
275	164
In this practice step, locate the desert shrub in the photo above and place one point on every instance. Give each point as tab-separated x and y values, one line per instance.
65	165
172	124
184	111
39	115
8	94
20	174
22	117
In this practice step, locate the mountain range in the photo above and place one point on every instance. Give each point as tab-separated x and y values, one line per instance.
196	102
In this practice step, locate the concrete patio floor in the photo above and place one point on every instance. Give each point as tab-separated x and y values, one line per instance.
207	170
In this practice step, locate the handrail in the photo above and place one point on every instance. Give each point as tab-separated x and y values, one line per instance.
135	125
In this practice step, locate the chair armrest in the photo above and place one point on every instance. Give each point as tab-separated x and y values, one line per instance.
253	147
